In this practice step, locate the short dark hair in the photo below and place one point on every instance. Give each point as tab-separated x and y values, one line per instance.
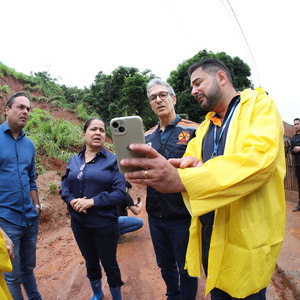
13	97
211	66
297	119
88	123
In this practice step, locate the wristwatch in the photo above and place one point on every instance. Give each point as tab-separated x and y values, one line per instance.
38	206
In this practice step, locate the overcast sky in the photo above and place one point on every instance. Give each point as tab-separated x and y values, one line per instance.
73	40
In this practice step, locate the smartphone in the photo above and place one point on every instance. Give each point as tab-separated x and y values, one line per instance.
126	131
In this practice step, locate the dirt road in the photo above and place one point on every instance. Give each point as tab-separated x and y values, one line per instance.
61	272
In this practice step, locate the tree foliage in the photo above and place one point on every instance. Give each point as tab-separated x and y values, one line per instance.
180	81
121	93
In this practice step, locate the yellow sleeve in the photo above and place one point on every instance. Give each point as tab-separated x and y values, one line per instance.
254	142
5	266
5	263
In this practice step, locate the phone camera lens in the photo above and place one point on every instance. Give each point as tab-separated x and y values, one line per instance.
115	124
121	129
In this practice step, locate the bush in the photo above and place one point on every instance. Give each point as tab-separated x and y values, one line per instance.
53	188
54	138
55	104
5	88
83	114
38	99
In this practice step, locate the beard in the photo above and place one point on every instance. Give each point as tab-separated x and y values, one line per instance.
213	96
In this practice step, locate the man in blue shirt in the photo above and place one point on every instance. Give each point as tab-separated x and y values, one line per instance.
169	220
19	203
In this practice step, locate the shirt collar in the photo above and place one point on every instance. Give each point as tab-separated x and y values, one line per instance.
102	152
177	119
7	129
216	120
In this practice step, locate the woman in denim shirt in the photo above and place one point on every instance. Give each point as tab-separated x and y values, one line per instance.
92	188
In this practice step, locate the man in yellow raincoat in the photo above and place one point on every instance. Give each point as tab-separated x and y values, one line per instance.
231	179
6	255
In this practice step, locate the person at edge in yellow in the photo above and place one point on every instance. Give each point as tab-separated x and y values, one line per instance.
233	169
6	256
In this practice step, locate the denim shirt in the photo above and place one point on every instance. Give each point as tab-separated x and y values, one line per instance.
17	177
100	180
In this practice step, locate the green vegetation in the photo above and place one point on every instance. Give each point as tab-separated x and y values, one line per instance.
53	188
180	81
82	113
121	93
28	81
55	138
68	97
40	168
11	72
5	88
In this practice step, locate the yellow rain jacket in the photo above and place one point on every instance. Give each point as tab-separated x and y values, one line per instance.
245	187
5	266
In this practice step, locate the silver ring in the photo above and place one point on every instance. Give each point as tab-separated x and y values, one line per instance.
145	174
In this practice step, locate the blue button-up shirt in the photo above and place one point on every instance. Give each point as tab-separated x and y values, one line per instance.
17	177
99	179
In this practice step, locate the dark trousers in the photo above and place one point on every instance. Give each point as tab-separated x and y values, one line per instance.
170	240
99	244
298	177
217	294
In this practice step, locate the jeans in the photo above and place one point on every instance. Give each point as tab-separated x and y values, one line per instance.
129	224
99	244
170	240
24	239
217	294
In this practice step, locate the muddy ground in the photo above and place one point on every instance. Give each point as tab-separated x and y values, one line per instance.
61	272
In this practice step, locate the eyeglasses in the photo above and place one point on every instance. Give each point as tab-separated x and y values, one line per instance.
80	174
161	95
